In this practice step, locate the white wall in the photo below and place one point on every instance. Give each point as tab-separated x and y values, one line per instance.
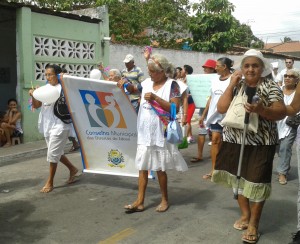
177	57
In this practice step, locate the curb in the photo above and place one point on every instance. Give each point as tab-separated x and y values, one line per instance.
33	153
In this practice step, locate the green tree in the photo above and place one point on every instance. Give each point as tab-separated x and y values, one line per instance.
212	26
287	39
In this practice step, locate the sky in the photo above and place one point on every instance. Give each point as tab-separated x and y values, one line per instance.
270	20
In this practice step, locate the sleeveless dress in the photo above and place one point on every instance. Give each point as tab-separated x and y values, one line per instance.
153	151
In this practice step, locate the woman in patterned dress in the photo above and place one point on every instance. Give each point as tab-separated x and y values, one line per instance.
153	151
256	171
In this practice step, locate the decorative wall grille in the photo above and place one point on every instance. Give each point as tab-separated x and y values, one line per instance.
53	47
72	69
61	48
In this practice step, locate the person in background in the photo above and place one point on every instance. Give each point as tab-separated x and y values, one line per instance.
178	73
209	67
153	151
187	70
256	169
113	74
292	110
213	117
289	63
55	131
11	123
135	76
274	70
287	134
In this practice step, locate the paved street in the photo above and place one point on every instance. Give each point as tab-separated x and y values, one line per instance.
91	210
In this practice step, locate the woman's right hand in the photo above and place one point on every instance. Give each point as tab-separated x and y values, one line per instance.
201	122
236	77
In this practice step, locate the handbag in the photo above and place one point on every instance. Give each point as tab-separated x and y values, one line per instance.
61	110
293	121
174	132
235	114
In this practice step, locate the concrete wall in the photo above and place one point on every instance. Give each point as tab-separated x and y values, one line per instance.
42	39
177	57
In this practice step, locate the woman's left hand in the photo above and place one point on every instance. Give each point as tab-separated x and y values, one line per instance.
149	96
254	107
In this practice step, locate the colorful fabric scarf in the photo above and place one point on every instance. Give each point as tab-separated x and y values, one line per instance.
162	114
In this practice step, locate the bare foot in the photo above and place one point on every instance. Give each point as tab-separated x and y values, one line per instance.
162	207
46	189
73	176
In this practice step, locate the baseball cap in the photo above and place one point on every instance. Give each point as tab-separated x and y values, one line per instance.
128	58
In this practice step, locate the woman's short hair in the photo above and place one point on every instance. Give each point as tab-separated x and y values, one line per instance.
158	62
227	62
294	72
188	69
56	68
12	100
116	72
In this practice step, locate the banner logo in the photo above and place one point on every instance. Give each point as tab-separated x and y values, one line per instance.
102	109
116	158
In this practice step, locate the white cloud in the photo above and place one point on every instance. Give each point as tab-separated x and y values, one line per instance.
270	20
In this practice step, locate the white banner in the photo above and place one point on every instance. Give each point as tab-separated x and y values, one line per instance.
105	123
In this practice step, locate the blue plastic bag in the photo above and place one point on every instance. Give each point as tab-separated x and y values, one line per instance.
174	132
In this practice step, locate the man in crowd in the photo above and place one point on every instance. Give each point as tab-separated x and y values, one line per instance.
134	75
289	62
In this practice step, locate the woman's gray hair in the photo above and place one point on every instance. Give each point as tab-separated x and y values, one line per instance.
295	72
116	72
159	62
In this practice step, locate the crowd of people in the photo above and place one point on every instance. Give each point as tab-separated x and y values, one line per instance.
277	97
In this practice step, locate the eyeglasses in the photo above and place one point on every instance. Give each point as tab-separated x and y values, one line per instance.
288	62
290	76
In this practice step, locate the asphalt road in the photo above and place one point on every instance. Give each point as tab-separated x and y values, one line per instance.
91	210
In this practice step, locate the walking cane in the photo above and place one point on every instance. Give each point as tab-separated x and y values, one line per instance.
250	92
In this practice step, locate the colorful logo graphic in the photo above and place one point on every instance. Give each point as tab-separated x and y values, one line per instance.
116	158
102	109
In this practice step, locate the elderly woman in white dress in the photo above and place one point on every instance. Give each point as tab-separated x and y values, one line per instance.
153	151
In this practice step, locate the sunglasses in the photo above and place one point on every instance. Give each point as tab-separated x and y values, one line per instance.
288	62
290	76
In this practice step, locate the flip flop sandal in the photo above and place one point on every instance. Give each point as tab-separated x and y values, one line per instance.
129	209
196	160
240	226
207	176
74	149
254	240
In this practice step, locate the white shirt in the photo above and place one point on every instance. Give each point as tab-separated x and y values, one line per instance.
218	87
283	129
48	123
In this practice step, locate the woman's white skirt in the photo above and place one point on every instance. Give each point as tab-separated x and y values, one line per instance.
159	158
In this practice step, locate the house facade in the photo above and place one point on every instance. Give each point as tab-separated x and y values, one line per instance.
32	37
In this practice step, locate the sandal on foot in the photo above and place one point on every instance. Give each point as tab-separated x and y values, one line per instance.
196	160
282	179
161	208
207	176
46	189
133	209
74	149
251	238
238	225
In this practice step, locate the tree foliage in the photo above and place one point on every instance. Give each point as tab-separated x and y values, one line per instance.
168	23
